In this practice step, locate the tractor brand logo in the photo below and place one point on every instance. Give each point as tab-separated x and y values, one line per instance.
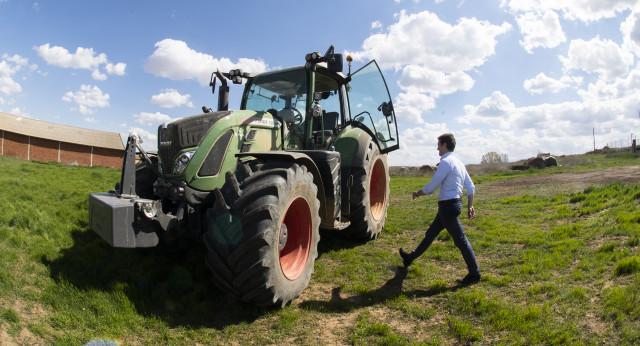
165	143
259	122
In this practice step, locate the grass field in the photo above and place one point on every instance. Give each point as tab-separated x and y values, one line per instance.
559	266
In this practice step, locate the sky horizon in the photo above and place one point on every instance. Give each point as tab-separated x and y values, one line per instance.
516	77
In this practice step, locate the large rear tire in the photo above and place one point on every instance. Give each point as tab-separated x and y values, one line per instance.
263	238
369	195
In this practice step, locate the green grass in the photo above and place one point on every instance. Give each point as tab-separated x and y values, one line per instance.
557	268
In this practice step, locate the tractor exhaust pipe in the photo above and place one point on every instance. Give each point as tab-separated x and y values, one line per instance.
223	91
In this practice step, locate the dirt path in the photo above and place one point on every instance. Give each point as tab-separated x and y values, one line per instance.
569	182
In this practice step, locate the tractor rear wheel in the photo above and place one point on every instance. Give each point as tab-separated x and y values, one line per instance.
262	239
369	195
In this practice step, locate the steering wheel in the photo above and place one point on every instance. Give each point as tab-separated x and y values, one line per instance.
297	116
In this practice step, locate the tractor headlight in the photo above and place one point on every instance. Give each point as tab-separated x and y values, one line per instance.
149	209
182	161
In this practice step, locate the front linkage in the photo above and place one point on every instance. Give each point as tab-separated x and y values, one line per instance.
122	217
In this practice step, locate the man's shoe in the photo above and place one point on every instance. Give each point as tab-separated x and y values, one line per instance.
406	257
469	279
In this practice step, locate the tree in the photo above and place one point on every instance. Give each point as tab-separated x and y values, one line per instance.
492	158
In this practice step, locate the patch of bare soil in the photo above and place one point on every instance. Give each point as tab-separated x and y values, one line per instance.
569	182
5	339
26	313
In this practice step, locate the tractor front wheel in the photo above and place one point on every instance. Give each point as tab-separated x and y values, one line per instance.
263	242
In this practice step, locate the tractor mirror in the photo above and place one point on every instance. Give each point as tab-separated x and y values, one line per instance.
212	83
334	62
386	108
321	95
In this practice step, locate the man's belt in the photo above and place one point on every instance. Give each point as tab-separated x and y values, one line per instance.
450	201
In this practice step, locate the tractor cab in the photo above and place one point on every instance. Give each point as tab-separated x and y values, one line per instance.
316	102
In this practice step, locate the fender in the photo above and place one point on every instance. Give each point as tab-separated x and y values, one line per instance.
301	158
352	144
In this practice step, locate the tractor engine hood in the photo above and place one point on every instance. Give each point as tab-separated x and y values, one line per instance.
184	133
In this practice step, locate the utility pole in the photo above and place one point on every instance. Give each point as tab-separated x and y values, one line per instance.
594	139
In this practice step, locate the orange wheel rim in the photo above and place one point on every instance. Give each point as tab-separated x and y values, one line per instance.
295	238
378	190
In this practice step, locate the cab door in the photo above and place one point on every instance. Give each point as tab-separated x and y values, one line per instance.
371	108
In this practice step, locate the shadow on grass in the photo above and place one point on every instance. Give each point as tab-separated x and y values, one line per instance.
390	290
176	287
335	240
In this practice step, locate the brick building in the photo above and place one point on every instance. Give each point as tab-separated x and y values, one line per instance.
31	139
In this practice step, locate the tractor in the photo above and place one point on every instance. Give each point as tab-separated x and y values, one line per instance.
306	151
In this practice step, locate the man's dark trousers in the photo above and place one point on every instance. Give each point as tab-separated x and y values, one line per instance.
447	217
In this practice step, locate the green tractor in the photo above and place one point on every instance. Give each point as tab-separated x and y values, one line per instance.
307	150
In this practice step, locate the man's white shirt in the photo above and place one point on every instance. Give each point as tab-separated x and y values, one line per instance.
451	175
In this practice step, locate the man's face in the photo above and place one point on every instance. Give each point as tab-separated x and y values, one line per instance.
442	148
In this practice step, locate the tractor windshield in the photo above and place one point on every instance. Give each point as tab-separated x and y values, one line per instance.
285	92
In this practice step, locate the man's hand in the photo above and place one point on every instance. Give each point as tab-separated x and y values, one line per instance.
472	212
417	193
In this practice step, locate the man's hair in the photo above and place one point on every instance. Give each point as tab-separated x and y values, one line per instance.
448	140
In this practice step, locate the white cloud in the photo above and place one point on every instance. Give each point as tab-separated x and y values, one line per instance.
603	57
621	89
424	39
97	75
7	85
117	69
540	30
563	127
583	10
83	58
411	106
91	120
87	98
433	56
16	59
418	145
20	112
376	25
171	98
631	31
9	66
423	79
545	84
173	59
152	119
496	109
609	103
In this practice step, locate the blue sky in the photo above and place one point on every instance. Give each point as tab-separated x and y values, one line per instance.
518	77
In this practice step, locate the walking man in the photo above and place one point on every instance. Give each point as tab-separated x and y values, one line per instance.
451	175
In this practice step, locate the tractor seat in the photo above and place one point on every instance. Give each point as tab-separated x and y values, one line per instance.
330	122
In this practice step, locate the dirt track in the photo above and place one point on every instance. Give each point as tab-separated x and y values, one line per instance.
574	181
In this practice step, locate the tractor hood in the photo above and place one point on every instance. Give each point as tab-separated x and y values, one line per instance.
184	133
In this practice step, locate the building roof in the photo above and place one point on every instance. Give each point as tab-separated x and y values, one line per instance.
62	133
